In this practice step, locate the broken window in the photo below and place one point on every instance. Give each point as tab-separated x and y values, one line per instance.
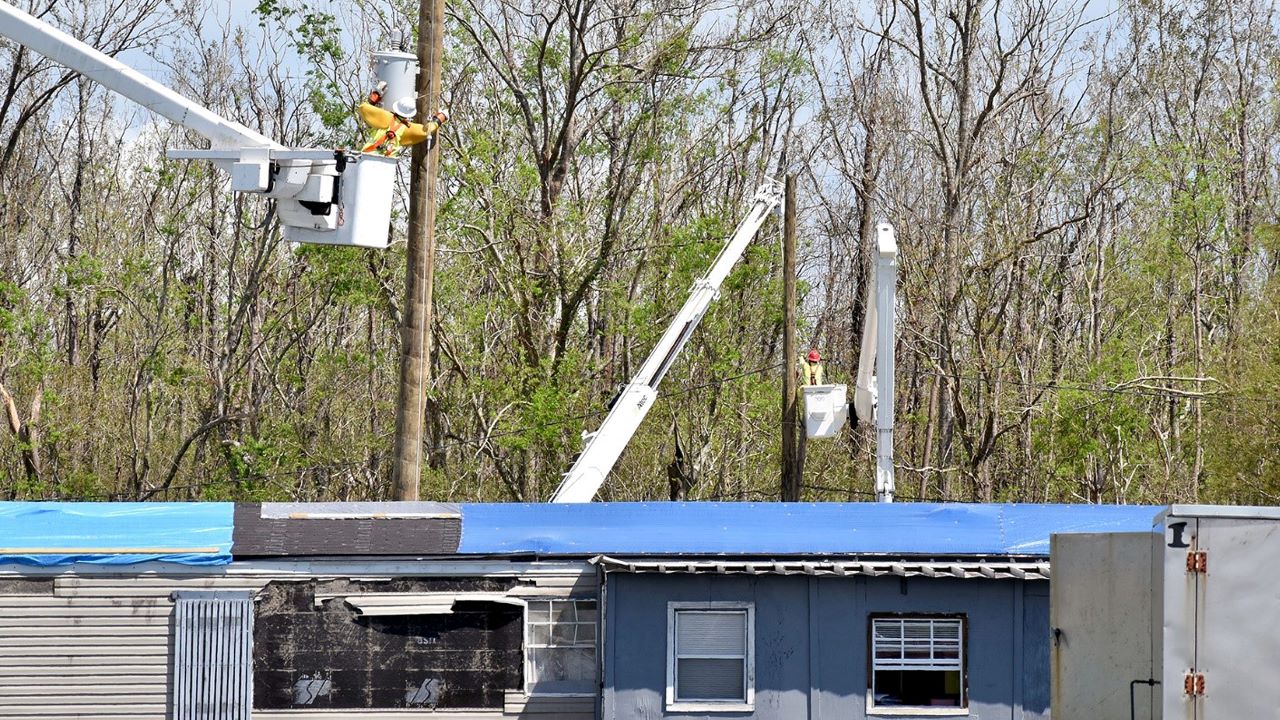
313	649
561	647
917	662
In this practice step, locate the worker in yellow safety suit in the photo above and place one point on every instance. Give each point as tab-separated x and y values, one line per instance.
811	368
390	130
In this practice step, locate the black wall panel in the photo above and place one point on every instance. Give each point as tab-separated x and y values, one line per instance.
331	657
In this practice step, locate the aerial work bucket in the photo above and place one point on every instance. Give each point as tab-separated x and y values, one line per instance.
825	410
367	182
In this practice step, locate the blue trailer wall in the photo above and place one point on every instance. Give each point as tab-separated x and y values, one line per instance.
811	641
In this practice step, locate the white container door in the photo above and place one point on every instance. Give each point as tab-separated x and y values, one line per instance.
1238	619
1178	614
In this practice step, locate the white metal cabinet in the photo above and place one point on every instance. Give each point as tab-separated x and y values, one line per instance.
1220	628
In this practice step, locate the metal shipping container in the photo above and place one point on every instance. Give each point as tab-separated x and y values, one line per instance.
1214	618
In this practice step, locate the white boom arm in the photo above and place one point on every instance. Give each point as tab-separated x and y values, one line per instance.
873	396
66	50
317	191
607	443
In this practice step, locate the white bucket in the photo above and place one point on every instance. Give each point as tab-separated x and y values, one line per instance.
363	215
825	410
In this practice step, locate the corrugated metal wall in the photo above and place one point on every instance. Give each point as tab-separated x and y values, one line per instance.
99	646
812	638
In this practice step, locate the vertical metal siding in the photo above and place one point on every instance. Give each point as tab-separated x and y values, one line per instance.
212	656
833	684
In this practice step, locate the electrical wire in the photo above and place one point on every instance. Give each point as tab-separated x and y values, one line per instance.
473	441
478	441
1117	389
869	494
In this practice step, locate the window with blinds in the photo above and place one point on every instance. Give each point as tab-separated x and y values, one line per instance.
709	655
917	662
560	646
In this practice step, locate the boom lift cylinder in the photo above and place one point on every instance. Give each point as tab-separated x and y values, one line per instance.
826	406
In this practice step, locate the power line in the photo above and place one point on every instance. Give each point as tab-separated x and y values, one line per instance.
1116	389
687	390
478	441
475	441
870	494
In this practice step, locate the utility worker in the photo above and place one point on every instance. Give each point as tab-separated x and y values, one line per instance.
811	368
392	130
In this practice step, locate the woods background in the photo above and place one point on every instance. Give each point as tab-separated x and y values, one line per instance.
1085	201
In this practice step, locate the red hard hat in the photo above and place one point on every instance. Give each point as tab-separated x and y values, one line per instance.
814	356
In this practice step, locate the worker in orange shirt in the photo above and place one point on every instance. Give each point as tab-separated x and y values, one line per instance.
393	129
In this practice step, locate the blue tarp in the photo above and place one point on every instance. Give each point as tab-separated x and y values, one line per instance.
701	528
53	533
40	533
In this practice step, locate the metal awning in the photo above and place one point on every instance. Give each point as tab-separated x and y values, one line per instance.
964	569
424	603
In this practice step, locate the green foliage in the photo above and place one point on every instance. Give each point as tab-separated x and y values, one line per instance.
1088	262
317	38
11	297
1242	465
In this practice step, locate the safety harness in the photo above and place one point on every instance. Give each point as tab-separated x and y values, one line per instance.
387	138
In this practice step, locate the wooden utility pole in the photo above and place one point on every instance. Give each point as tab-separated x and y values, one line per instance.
792	459
415	328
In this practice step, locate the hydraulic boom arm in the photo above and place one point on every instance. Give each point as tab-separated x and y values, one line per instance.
66	50
873	397
327	196
607	443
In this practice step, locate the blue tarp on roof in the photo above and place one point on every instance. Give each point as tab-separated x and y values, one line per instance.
54	533
40	533
702	528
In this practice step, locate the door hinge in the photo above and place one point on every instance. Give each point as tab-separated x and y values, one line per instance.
1193	684
1198	561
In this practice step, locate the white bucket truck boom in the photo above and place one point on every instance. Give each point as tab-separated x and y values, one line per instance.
826	407
607	443
322	196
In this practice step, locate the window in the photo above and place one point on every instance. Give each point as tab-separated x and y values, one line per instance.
709	656
917	663
560	645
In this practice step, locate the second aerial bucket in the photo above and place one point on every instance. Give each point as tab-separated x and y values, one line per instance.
825	409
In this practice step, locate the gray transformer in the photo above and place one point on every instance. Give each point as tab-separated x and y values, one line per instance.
1176	624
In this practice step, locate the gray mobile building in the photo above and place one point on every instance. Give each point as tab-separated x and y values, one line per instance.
344	611
209	611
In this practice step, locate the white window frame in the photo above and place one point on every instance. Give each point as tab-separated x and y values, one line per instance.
528	645
735	705
930	664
